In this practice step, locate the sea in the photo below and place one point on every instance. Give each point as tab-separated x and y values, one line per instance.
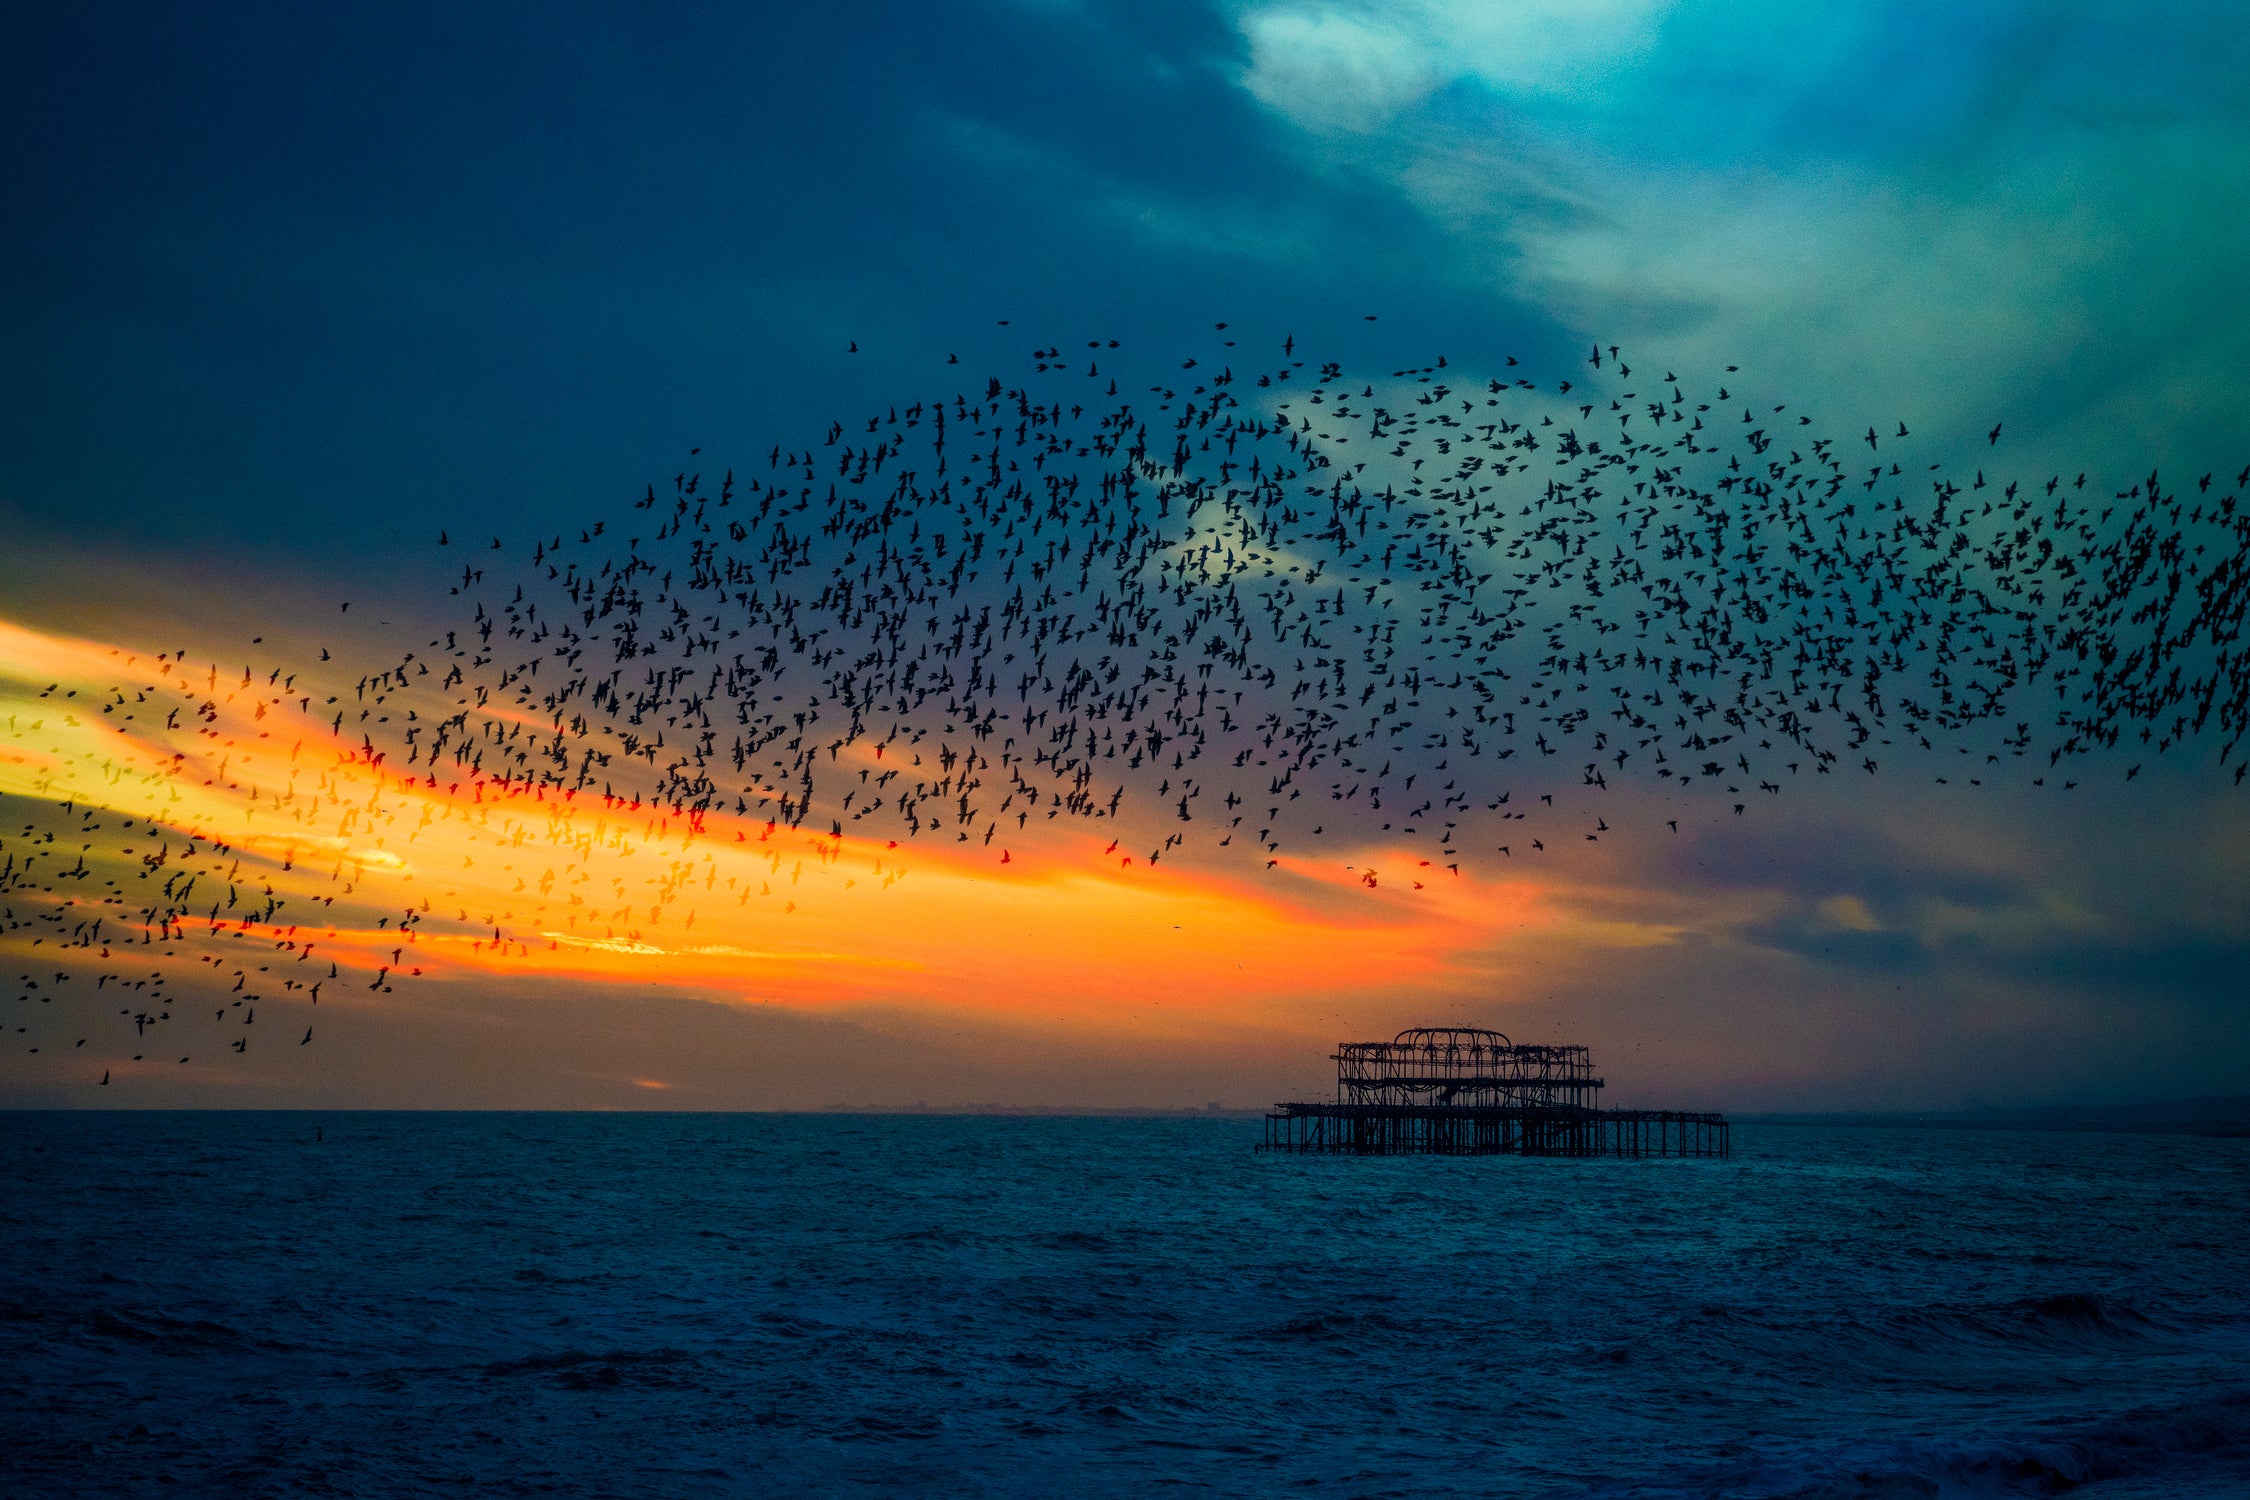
266	1304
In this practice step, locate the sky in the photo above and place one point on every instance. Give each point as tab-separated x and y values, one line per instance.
293	292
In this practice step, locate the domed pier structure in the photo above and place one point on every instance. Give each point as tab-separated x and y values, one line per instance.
1462	1091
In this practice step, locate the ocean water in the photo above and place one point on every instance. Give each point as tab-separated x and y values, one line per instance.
710	1305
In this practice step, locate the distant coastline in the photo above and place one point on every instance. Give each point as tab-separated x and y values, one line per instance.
2221	1117
2224	1117
1116	1111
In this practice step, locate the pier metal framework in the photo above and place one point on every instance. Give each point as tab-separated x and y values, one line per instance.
1464	1091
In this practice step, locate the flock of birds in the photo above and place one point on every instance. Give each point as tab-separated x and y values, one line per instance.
112	904
1277	605
1275	585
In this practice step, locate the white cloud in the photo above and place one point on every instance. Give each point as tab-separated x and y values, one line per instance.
1330	67
1562	47
1327	70
1943	229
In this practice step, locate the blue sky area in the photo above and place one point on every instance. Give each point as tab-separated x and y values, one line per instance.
290	289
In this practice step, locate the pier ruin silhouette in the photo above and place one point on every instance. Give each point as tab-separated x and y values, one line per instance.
1463	1091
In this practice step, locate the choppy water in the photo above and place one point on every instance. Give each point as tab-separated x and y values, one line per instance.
743	1305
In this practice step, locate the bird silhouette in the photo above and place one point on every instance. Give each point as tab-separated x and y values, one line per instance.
1263	603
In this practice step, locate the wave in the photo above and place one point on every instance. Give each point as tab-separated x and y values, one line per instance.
1343	1326
156	1331
2199	1447
2048	1324
2063	1323
578	1370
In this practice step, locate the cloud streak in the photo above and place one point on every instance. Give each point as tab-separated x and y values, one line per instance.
1940	217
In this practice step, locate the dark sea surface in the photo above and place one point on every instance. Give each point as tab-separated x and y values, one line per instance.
690	1305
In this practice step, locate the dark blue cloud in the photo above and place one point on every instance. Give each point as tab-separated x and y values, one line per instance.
306	281
1814	857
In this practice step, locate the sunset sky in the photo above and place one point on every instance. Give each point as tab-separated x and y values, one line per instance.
291	293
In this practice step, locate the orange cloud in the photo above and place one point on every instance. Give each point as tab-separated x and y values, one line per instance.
420	874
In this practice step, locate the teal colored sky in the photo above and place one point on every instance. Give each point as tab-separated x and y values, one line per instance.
279	272
289	289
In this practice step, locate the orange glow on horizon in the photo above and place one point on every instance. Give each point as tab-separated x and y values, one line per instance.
493	877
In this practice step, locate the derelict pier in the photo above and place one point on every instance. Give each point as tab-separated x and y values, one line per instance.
1460	1091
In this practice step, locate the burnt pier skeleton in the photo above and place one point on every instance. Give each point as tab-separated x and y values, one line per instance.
1465	1091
